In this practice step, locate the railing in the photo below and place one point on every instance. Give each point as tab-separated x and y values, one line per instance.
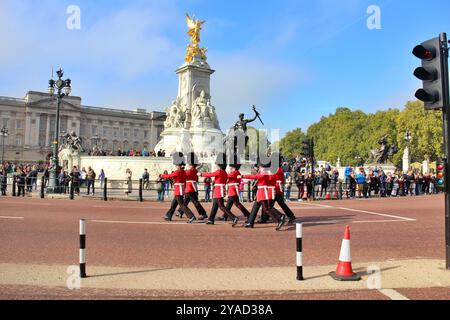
142	190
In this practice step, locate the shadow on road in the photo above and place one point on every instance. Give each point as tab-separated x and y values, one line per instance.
359	271
315	221
128	272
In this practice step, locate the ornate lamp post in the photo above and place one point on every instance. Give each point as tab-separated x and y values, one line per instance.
4	133
406	156
63	88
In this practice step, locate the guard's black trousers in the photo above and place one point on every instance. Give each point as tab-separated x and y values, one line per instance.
193	196
178	201
219	204
266	210
280	200
234	200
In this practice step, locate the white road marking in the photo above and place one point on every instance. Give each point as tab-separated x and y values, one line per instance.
364	211
5	217
155	222
392	294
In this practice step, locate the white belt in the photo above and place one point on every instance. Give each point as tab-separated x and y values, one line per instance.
236	185
222	186
266	192
280	184
194	184
181	185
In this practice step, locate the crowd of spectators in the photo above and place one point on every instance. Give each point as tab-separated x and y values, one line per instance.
356	182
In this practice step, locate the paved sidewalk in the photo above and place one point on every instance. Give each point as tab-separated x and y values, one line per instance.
419	273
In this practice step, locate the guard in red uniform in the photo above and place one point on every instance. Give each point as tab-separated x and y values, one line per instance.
179	178
191	192
263	197
234	180
221	178
279	180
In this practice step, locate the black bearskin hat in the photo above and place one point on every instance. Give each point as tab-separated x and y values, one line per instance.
234	162
264	162
221	160
191	158
178	159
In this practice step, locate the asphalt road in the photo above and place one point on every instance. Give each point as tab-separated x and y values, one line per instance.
133	234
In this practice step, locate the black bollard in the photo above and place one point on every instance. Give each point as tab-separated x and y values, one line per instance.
249	191
14	186
140	190
72	188
43	187
105	190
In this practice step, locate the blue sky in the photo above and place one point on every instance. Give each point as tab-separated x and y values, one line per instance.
296	60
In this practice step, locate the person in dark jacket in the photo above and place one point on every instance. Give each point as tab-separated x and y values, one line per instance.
21	180
3	182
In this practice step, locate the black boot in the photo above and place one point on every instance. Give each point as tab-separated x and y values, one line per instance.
281	223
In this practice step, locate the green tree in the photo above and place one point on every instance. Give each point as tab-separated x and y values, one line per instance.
291	144
426	131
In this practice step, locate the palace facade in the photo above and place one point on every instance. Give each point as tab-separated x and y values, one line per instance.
31	126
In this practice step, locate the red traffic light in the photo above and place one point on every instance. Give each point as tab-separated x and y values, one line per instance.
424	53
440	167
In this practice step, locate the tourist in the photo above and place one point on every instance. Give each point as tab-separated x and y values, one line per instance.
207	183
62	181
129	183
21	179
83	180
166	184
160	189
101	178
75	175
288	187
145	179
3	181
90	176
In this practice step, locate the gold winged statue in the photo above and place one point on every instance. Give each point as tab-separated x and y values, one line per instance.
193	49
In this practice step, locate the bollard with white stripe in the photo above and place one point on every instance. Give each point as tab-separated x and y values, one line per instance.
299	234
83	248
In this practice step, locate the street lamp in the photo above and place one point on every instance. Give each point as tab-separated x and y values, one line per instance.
63	88
408	136
4	132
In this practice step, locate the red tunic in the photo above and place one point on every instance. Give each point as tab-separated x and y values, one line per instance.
262	184
179	181
191	181
280	181
233	183
220	181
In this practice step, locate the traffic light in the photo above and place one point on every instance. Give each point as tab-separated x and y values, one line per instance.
440	167
306	150
431	74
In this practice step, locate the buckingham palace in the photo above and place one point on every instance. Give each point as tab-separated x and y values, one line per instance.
30	122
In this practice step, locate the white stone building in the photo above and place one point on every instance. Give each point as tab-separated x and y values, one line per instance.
31	125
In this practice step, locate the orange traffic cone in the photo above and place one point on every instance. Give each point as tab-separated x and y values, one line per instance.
344	270
305	192
328	195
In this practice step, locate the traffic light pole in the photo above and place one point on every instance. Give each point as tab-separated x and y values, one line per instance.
446	120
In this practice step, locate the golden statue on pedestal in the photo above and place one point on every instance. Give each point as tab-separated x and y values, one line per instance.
193	49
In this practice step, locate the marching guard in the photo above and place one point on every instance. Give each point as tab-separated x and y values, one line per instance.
263	197
278	180
191	192
234	180
179	177
221	178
